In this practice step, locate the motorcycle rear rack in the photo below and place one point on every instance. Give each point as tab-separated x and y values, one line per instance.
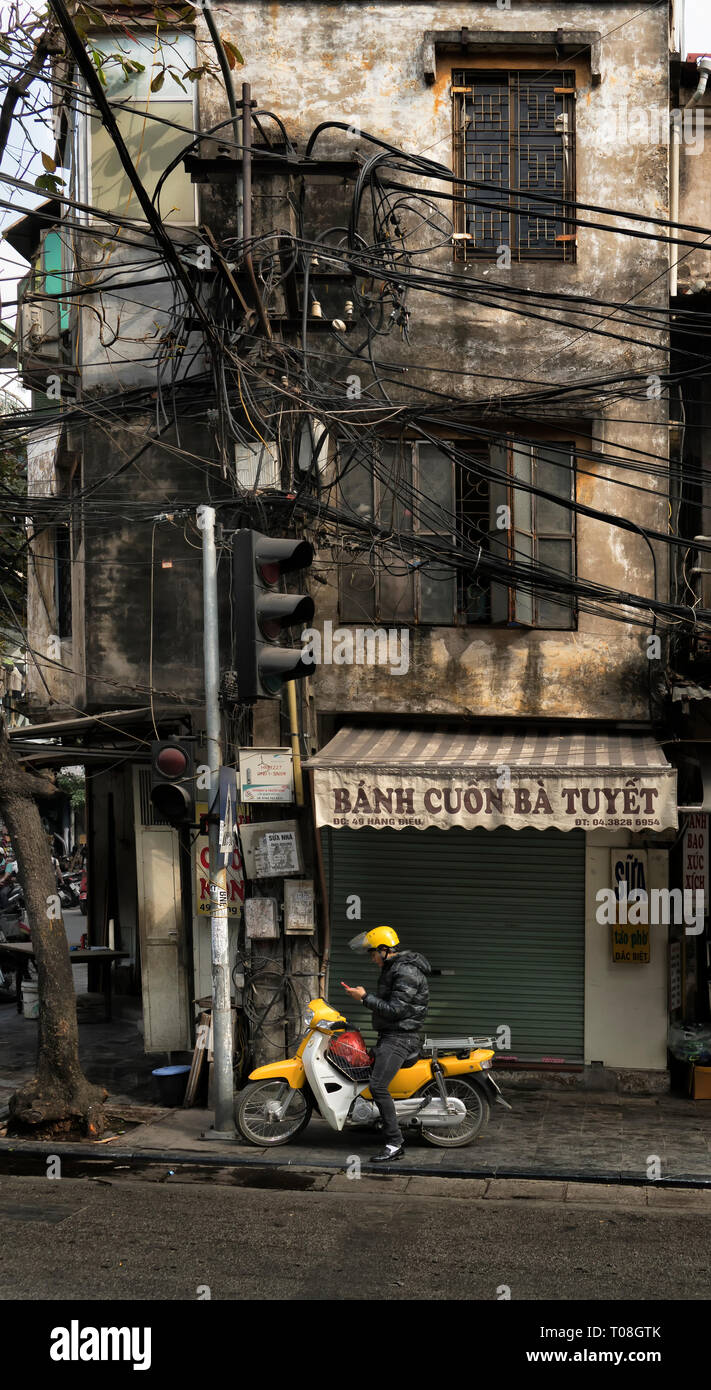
431	1046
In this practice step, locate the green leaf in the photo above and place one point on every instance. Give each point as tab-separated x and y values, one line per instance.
233	54
49	163
158	81
48	183
4	45
136	66
95	16
194	74
98	59
177	79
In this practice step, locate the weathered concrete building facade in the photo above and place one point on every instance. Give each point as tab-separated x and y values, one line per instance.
484	478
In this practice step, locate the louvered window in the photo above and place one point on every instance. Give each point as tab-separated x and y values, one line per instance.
460	506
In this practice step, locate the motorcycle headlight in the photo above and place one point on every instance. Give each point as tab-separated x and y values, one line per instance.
485	1065
308	1017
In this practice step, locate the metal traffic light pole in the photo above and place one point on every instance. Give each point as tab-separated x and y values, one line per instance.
224	1126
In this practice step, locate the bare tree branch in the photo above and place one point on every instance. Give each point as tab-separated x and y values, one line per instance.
17	87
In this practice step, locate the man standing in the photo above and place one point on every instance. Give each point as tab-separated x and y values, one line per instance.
399	1010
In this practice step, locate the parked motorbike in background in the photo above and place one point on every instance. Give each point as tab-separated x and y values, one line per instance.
445	1090
68	892
83	908
13	928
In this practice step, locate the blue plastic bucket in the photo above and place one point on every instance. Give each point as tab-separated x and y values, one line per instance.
171	1083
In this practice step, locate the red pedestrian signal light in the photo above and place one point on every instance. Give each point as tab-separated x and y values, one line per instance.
263	611
172	781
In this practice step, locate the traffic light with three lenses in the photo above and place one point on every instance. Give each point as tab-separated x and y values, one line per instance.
263	611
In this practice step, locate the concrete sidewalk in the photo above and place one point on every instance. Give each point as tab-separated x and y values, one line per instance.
111	1053
571	1136
552	1133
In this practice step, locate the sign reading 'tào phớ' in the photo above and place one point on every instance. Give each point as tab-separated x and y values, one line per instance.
630	943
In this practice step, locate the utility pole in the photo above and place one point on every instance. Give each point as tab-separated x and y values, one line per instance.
224	1125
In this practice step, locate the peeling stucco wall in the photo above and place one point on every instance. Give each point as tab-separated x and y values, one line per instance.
50	660
135	634
364	64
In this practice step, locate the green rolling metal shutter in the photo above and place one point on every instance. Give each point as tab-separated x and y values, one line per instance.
503	909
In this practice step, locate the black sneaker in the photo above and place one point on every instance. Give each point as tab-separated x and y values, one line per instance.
388	1155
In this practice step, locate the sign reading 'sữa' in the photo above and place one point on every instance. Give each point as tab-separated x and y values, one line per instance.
608	801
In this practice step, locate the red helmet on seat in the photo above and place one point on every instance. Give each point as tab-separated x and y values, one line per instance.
350	1055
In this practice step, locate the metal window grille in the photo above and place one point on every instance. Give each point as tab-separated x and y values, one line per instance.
515	132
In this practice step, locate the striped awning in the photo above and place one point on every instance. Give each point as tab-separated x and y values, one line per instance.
398	777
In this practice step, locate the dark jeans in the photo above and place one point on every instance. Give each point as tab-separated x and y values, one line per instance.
390	1053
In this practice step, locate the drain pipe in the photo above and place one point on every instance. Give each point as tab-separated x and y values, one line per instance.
325	914
704	67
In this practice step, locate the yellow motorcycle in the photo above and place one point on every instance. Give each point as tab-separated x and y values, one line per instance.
444	1090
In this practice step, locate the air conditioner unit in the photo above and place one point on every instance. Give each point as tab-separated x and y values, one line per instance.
38	330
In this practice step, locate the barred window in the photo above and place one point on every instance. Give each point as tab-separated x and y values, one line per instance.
514	131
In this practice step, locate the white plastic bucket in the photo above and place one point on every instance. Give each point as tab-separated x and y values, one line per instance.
30	999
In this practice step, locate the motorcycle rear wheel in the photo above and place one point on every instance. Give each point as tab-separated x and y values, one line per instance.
254	1121
476	1119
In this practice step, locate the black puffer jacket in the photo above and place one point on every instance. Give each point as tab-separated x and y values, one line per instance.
403	994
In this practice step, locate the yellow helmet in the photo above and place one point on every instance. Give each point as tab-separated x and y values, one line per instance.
371	940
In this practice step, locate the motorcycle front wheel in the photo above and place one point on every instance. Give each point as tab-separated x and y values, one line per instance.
475	1120
255	1118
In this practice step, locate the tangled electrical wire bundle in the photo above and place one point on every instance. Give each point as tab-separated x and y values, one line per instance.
286	437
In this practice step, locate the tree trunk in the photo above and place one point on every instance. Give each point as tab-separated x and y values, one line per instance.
59	1095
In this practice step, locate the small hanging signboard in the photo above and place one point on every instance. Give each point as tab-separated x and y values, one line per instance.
266	774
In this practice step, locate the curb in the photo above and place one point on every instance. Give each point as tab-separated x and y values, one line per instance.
12	1150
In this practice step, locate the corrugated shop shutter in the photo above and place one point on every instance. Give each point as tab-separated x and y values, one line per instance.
503	909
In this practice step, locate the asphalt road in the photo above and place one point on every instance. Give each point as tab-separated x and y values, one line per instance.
167	1239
